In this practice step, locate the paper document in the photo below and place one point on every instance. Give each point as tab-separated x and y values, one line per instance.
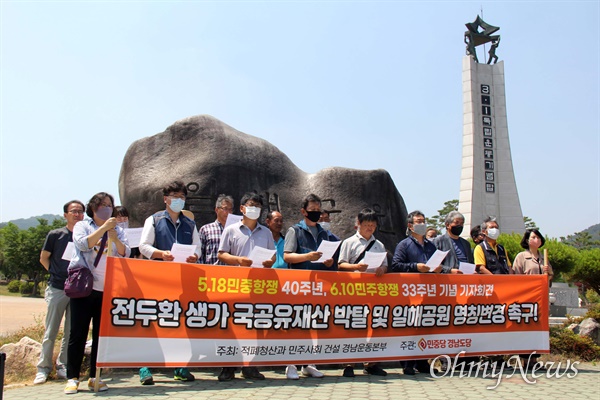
134	235
69	251
436	259
182	251
232	219
466	268
259	254
327	248
373	260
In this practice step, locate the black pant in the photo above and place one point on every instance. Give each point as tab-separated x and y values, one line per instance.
83	311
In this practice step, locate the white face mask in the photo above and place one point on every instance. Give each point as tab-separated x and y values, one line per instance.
493	233
420	229
252	212
325	225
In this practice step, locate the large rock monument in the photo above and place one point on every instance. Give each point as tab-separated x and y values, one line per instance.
213	158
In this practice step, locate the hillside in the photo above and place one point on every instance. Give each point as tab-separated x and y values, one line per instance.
26	223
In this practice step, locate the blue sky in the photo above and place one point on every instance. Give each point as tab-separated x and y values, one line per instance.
358	84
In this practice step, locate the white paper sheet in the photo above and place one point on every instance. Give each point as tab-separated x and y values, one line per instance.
182	251
69	251
373	260
436	259
259	254
134	236
327	248
232	219
466	268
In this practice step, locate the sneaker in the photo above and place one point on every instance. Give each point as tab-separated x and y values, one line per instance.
146	376
101	385
252	373
311	370
61	373
183	374
348	372
375	370
40	378
72	385
291	372
409	371
227	374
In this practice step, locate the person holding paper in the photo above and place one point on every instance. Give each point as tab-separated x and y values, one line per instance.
491	257
300	251
411	255
52	259
169	226
237	242
161	231
274	222
352	254
210	234
459	250
123	222
95	238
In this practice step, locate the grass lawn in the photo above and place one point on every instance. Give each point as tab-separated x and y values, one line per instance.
4	291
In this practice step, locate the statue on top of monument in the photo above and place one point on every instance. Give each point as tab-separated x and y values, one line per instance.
479	32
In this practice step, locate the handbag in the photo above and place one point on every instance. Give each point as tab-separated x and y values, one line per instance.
80	280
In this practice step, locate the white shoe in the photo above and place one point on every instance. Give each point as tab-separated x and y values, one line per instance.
61	373
72	386
291	372
40	378
311	370
101	385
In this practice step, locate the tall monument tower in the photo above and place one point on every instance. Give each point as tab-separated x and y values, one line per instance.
487	182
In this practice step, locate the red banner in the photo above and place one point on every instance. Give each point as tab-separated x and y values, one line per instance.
170	314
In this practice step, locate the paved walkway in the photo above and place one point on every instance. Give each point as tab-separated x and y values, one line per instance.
125	385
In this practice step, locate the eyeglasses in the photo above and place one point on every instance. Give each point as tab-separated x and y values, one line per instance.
228	209
75	212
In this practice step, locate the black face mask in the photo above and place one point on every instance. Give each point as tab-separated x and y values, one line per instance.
456	230
313	216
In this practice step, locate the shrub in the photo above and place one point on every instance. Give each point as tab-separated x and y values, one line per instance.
592	296
565	342
26	287
593	311
14	286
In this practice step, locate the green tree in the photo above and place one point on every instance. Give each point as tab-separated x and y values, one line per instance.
437	221
512	243
21	250
529	224
587	268
562	257
581	241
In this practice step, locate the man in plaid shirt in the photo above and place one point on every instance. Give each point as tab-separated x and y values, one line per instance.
210	234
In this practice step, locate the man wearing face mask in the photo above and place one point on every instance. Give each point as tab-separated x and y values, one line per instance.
237	242
491	257
299	250
160	232
459	250
325	222
411	255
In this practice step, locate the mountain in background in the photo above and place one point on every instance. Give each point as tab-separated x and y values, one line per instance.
26	223
594	230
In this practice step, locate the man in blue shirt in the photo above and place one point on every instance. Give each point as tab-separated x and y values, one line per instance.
274	222
411	255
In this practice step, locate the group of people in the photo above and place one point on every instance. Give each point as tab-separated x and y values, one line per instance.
103	234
